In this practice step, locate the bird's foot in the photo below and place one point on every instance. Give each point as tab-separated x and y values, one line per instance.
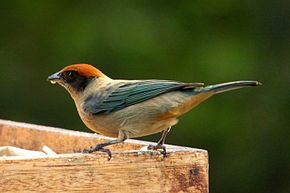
158	147
100	148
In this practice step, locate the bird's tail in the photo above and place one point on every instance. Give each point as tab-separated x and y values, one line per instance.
223	87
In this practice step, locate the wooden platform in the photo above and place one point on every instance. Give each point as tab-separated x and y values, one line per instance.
129	170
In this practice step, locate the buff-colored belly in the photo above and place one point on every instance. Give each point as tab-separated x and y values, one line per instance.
146	118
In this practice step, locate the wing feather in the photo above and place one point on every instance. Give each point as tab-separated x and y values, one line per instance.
130	93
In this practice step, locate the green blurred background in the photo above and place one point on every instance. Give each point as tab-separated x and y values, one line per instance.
246	131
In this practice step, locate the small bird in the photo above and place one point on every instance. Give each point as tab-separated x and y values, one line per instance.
132	108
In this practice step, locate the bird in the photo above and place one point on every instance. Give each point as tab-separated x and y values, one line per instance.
125	109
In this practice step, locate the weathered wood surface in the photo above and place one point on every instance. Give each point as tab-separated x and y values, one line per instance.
129	170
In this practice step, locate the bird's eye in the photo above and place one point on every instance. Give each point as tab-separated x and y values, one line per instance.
71	76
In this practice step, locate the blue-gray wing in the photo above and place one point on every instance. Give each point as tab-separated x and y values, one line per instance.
129	93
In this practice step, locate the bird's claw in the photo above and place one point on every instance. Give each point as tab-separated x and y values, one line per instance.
98	148
157	148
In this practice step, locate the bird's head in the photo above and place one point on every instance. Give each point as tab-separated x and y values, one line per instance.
75	78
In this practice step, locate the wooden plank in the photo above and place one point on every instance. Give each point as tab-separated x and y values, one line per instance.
129	170
30	136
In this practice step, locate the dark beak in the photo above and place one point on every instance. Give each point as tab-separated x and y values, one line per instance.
54	78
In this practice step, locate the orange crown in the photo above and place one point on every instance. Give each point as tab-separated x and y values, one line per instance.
86	70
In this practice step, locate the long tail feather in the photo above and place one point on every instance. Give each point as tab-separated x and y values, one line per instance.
219	88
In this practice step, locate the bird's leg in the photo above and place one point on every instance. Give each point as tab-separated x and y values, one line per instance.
160	143
100	147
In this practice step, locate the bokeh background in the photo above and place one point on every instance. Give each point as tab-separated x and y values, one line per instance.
246	131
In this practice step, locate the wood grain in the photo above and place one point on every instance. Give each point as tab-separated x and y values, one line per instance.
129	170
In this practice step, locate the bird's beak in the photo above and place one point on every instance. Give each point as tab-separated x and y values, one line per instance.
54	78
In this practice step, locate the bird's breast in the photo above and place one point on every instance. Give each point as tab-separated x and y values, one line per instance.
145	118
